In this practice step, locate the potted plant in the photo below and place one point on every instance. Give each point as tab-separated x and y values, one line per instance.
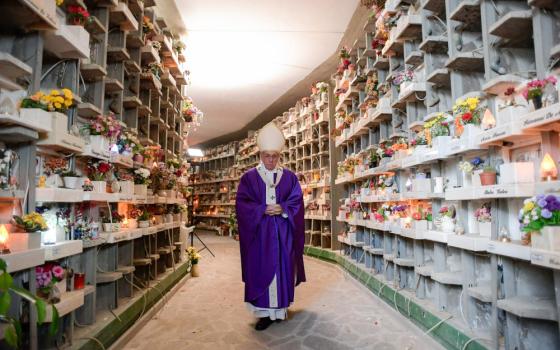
144	220
540	220
447	215
468	117
133	217
141	182
101	130
97	172
12	330
112	223
534	89
176	212
53	168
30	227
78	15
470	170
71	179
420	223
51	282
488	176
483	216
194	257
126	182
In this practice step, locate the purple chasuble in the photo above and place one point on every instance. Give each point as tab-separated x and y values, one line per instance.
270	245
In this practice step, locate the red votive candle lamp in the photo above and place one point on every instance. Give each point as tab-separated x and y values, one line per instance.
79	281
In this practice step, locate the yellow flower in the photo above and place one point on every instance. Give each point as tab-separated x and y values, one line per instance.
67	93
472	103
529	206
55	93
68	103
57	105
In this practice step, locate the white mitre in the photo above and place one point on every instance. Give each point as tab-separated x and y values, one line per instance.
270	138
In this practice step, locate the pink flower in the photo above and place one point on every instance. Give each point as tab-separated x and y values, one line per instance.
58	272
552	79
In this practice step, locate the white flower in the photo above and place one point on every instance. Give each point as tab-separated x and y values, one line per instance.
526	220
527	201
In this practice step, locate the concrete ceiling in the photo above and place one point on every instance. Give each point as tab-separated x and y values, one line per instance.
246	55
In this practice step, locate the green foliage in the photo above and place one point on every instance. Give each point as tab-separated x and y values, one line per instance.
13	333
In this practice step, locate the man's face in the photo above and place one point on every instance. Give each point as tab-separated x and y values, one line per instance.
270	159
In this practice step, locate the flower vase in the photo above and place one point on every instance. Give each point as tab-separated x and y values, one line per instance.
132	223
537	102
547	239
73	182
108	227
447	224
467	179
487	179
141	190
54	181
143	224
99	186
195	272
485	229
61	285
127	187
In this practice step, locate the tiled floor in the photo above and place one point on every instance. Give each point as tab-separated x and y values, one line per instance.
331	311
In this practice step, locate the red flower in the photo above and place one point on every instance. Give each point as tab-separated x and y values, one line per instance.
104	167
467	116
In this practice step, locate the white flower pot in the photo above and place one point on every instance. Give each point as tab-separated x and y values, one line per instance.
420	225
485	229
73	182
470	132
127	187
441	142
506	115
143	224
54	181
447	224
547	239
518	172
438	184
168	218
108	227
132	223
99	186
99	144
324	97
141	190
467	179
475	177
116	226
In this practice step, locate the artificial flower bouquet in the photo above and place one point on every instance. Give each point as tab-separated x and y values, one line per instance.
30	223
536	89
540	221
78	14
55	101
55	166
402	77
107	126
468	111
483	217
98	170
447	218
50	279
437	131
141	181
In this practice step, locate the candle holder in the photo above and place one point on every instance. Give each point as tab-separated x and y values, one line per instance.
79	281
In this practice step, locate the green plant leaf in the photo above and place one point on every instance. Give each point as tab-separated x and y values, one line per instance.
6	281
10	336
24	294
41	307
19	331
3	265
53	328
5	299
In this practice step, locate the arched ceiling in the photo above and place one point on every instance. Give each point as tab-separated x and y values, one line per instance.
245	54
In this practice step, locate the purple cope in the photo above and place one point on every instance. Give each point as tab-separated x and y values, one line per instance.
270	245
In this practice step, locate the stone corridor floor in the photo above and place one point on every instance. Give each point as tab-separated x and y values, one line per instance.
331	311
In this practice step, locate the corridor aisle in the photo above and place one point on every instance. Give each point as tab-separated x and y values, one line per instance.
208	313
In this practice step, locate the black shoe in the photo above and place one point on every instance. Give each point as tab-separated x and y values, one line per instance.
263	323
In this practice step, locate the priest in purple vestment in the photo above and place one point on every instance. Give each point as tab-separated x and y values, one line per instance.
270	211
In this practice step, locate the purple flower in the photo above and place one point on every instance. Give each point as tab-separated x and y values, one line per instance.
540	196
542	203
545	213
476	161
